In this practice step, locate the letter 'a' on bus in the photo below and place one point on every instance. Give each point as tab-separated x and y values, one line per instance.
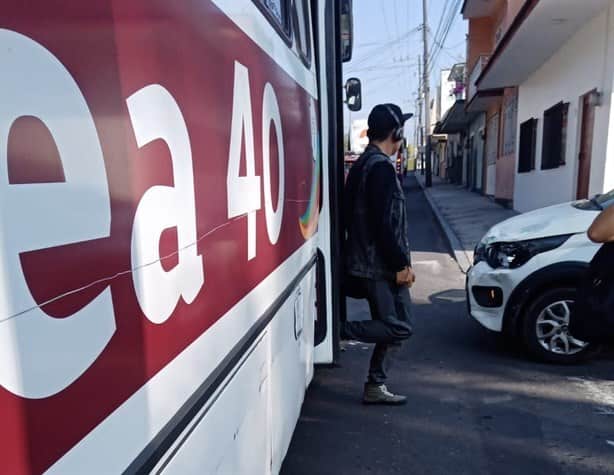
156	115
41	355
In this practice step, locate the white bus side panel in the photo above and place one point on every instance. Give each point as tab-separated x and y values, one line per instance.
239	435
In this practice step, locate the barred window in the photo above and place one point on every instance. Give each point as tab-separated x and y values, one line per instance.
526	147
555	136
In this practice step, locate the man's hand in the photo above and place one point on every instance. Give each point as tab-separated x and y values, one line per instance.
406	277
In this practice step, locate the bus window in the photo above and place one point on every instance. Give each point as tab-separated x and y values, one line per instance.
300	24
347	33
276	11
275	7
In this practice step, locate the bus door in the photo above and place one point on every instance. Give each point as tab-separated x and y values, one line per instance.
332	26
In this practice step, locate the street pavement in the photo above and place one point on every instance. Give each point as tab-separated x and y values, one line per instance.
464	216
476	405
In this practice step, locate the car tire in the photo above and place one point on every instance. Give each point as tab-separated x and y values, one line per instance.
545	329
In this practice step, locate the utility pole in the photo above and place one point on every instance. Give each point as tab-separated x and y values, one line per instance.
427	102
420	135
416	141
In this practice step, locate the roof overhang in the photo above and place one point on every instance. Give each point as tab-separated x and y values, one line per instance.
483	100
479	8
456	120
539	30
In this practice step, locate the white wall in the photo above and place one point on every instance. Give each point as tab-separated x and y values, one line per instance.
582	64
607	128
446	100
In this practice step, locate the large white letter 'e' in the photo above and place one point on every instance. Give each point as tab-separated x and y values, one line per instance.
41	355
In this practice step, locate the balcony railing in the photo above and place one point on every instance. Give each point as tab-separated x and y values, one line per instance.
475	74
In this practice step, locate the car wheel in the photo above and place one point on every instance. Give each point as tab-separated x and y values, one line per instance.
546	329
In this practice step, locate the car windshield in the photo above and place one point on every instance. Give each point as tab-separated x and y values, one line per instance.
597	203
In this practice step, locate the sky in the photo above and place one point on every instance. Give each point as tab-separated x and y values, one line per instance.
387	42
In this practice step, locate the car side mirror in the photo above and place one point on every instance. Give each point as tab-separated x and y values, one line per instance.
353	94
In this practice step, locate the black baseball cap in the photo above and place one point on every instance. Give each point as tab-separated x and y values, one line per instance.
386	118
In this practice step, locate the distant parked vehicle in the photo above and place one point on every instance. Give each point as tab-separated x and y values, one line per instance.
401	162
525	275
348	161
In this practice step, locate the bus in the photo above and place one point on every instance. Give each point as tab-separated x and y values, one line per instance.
170	230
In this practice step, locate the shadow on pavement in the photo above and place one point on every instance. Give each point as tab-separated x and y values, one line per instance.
476	405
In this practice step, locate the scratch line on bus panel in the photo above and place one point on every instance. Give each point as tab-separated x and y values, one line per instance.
123	273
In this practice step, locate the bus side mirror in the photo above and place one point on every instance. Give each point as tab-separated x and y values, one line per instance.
347	30
353	94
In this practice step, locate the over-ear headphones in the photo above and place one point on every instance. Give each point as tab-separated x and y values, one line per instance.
397	134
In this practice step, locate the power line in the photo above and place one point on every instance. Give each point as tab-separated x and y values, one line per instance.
397	67
444	50
456	59
399	38
397	30
444	20
378	79
444	10
373	55
407	5
367	64
440	43
454	46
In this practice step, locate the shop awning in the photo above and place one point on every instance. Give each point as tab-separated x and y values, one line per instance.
456	120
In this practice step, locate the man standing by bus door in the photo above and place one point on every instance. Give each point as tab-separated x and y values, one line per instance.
377	264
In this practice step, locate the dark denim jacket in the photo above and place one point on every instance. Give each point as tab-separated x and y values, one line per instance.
374	251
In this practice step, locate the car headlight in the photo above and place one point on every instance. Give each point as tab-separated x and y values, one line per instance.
511	255
479	254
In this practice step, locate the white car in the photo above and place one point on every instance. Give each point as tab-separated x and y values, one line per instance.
525	274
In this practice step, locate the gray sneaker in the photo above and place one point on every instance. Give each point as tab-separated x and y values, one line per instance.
379	394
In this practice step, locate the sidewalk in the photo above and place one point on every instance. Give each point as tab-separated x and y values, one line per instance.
464	216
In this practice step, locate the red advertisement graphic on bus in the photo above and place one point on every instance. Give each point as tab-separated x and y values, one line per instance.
157	168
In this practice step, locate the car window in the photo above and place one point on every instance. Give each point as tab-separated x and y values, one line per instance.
597	203
606	200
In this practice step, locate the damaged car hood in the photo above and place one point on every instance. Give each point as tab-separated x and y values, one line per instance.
551	221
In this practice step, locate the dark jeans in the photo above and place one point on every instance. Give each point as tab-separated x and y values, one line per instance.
389	326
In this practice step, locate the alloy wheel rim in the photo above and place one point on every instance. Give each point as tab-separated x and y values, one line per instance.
552	328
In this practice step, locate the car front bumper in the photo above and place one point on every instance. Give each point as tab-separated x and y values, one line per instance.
489	313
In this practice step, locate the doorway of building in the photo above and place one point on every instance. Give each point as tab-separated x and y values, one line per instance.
586	144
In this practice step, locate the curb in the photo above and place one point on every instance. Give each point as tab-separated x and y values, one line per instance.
461	257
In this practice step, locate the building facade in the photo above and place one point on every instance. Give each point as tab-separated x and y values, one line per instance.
492	131
564	109
541	72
